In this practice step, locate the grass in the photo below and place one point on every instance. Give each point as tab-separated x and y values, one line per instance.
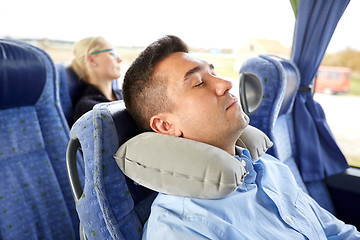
353	161
355	85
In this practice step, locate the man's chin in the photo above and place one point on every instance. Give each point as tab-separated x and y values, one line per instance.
246	118
241	127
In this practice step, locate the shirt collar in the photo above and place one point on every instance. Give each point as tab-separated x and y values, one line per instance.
243	155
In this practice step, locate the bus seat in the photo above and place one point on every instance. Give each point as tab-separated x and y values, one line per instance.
280	79
71	89
35	197
110	206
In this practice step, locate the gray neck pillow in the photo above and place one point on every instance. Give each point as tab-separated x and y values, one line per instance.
180	166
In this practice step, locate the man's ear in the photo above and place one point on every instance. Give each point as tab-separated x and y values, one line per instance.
160	123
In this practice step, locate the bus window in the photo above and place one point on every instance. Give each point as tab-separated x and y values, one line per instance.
333	79
340	73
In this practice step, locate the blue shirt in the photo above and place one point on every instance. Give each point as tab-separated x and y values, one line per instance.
268	205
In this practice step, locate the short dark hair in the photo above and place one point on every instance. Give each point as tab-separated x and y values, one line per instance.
144	92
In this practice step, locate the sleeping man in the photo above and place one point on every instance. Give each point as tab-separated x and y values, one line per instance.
168	91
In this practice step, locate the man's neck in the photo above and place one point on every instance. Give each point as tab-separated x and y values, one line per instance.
231	150
228	147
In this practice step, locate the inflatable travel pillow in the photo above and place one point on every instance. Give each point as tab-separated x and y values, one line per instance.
180	166
255	141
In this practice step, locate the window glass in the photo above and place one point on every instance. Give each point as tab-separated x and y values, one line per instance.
334	75
341	107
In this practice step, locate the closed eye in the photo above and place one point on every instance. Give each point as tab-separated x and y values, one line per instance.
199	84
114	54
212	69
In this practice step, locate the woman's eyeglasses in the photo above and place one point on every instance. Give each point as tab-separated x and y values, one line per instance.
113	52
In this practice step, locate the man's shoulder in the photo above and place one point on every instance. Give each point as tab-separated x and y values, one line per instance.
174	216
268	161
276	174
268	158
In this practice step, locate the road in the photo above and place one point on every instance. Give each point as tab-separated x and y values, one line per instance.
343	116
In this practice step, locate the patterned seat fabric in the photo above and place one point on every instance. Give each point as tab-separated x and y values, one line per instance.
35	197
280	79
112	206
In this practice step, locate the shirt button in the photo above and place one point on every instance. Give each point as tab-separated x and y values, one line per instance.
243	163
289	218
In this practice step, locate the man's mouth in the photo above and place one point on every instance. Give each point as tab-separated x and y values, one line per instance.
232	102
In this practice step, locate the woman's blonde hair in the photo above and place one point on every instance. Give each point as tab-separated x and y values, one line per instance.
81	50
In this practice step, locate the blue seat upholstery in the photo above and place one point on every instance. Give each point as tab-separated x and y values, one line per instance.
71	89
111	206
280	79
35	197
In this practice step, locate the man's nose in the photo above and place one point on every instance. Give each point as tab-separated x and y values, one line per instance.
222	86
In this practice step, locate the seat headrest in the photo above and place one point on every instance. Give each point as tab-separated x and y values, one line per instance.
268	79
23	73
72	83
292	76
124	123
125	130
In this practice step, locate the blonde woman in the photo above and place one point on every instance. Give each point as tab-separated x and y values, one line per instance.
97	63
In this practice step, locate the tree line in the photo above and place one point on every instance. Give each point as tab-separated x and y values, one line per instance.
348	58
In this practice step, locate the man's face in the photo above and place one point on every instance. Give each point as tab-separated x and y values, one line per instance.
203	109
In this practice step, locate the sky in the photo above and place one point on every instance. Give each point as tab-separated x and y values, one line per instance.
200	23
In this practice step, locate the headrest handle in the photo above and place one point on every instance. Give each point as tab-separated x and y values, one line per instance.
250	92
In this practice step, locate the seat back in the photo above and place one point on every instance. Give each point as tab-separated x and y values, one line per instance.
280	79
71	89
35	197
112	206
